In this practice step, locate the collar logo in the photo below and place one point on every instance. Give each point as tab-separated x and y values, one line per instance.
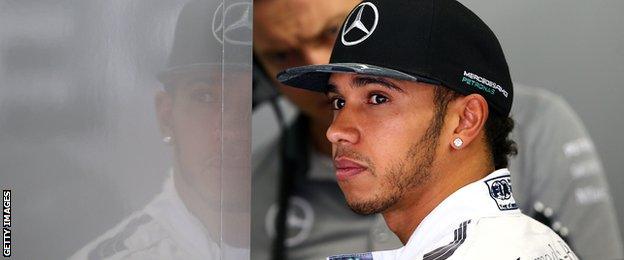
357	30
228	22
500	191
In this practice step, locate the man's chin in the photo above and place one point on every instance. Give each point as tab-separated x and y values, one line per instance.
368	207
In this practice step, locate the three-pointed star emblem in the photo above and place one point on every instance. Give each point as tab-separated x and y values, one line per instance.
357	24
226	20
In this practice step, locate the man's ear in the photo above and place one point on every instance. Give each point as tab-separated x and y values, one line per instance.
473	113
164	112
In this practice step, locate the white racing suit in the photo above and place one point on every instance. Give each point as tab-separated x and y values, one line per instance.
164	229
478	221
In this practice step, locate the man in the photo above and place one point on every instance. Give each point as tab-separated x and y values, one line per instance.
194	216
544	175
420	132
290	33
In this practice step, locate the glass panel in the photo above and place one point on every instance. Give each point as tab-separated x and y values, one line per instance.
117	120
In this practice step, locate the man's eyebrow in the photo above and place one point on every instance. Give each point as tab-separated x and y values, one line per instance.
331	88
360	81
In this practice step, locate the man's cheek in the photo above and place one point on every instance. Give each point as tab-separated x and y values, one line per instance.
359	191
390	139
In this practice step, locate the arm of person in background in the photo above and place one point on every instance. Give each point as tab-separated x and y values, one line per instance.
558	176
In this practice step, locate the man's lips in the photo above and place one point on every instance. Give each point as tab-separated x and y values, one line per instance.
347	168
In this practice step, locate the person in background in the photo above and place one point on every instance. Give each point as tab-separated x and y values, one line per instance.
557	175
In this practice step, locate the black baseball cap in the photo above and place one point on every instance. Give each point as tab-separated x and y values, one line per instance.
438	42
205	30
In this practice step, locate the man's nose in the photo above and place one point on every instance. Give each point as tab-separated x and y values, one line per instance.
317	55
344	129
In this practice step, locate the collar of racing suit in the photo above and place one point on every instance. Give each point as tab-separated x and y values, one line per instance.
489	196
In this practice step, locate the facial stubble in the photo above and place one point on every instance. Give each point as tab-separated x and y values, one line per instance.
410	171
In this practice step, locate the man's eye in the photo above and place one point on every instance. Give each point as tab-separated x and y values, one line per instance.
337	103
279	56
203	96
331	32
282	57
377	99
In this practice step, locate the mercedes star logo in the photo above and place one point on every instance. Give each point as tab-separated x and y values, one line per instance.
227	21
357	25
299	221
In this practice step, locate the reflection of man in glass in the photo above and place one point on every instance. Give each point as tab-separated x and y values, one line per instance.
185	220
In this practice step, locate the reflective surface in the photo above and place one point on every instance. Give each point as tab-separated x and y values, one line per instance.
126	123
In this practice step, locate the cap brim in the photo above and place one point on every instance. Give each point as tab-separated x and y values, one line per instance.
199	68
315	77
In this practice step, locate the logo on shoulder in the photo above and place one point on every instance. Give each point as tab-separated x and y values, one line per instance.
500	191
300	220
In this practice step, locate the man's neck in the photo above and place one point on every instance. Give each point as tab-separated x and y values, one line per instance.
199	207
406	215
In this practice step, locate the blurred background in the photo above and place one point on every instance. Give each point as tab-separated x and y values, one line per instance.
575	49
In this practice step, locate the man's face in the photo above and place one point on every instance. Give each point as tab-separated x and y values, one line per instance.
384	138
290	33
195	125
200	117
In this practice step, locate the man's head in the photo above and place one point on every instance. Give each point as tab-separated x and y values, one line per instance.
195	108
407	79
289	33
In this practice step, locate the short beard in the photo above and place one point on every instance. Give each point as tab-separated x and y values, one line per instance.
412	171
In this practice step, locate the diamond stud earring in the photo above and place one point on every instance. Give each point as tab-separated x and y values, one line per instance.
458	142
